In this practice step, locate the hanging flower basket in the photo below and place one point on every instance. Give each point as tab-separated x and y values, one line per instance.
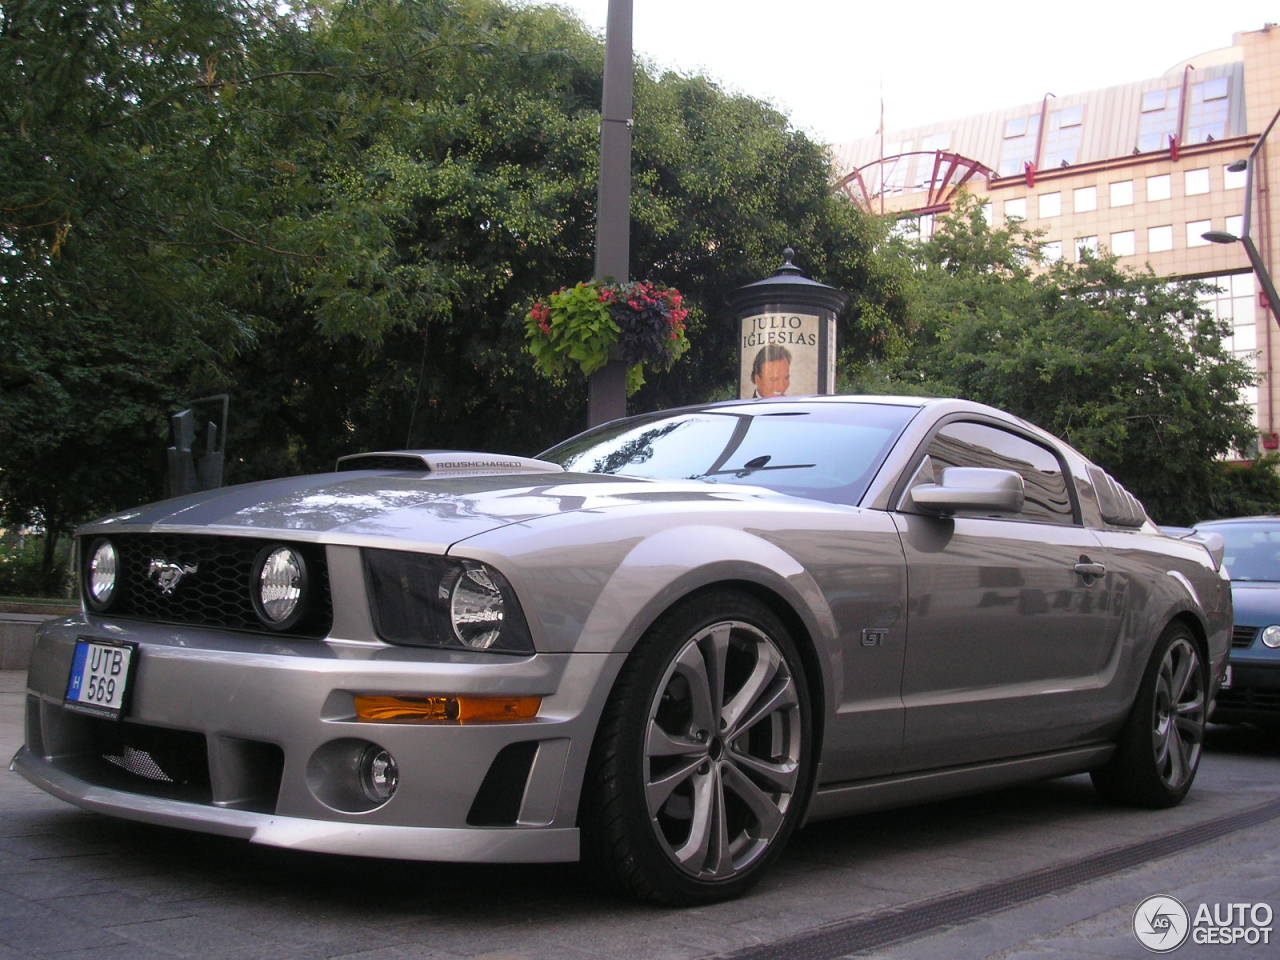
584	327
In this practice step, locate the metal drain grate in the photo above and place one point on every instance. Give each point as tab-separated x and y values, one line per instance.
844	937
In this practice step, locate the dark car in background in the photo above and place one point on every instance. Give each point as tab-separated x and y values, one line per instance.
1251	690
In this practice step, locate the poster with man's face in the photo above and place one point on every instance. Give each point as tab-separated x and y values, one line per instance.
779	355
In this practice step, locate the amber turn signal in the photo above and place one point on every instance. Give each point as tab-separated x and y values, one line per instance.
385	709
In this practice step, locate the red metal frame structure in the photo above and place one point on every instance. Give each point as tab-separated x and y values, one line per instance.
951	171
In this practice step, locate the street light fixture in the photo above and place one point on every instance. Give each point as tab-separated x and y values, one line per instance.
1246	234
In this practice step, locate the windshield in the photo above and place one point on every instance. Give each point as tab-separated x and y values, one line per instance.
827	451
1253	549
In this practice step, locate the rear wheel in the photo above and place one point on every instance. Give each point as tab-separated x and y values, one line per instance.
702	762
1159	748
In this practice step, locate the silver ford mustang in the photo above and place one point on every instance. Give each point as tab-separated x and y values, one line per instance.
660	646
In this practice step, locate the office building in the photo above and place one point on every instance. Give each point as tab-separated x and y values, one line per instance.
1143	170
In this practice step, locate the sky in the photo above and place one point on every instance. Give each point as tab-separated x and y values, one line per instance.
824	62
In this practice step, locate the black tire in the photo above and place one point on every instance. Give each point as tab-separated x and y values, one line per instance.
1159	747
690	794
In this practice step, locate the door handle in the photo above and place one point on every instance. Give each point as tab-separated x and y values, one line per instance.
1090	570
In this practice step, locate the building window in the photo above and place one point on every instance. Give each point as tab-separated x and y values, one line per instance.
1159	119
1122	193
1062	137
1210	102
1195	232
1086	245
985	207
1159	188
1233	179
1235	225
915	228
1122	243
1233	302
1085	199
1197	181
1159	239
1015	209
1051	251
1019	146
1050	204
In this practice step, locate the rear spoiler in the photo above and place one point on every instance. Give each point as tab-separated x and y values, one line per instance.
449	462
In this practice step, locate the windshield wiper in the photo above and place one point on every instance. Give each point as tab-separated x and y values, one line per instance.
751	466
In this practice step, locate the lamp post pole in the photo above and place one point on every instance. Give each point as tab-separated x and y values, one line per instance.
1251	250
607	398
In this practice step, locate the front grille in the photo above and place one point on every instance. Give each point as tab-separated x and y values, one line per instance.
158	761
1242	637
1249	698
216	590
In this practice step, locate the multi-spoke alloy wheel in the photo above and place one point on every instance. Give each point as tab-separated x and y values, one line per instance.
1159	748
722	750
1179	714
701	766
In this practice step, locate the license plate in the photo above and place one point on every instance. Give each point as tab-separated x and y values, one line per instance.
1226	679
100	674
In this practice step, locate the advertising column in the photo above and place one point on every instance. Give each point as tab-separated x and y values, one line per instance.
786	334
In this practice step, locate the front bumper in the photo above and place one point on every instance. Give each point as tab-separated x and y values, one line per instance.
255	736
1254	694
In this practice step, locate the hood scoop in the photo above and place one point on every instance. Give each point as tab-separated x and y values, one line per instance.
446	462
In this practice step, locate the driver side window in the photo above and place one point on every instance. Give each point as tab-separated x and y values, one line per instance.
963	444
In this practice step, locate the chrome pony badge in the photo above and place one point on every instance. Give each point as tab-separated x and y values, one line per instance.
167	575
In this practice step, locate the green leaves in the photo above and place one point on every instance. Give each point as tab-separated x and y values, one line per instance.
1126	366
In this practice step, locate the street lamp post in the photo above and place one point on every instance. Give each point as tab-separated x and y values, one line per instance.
1256	260
607	389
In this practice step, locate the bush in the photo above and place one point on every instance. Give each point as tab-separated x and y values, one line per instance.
1247	490
21	554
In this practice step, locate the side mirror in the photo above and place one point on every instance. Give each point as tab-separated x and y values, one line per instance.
969	488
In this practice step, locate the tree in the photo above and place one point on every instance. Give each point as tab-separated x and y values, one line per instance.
338	212
1126	366
104	305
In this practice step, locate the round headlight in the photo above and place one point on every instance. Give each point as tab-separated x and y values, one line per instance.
101	575
279	587
475	608
1271	636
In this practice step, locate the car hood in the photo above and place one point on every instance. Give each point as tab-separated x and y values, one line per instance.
1257	603
428	512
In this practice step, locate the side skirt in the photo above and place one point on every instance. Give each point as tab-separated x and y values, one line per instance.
841	799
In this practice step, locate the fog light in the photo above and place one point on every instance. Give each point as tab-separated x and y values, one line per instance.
1271	636
378	774
279	587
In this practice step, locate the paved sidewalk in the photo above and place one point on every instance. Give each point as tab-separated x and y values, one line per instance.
77	885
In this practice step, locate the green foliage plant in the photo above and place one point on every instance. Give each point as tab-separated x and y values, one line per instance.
585	326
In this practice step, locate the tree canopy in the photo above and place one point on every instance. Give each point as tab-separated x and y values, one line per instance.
338	213
1128	367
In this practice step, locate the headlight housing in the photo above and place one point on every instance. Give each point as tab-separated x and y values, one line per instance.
1271	636
101	573
428	601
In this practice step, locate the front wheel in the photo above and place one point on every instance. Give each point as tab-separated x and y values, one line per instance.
1159	748
702	762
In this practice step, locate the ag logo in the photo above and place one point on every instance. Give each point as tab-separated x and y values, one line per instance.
1161	924
166	575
